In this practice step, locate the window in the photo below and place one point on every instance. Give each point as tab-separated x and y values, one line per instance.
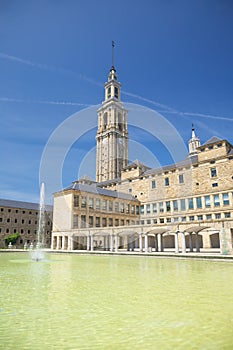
104	204
199	202
83	221
97	221
104	222
110	206
182	204
154	207
148	208
181	178
168	206
207	201
109	92
9	210
91	203
8	220
175	205
76	201
169	220
161	221
161	209
0	219
155	221
183	218
110	222
132	209
208	216
141	209
191	218
216	200
225	198
75	221
218	216
153	184
213	172
215	184
176	219
116	207
190	202
137	209
22	221
116	92
148	221
199	217
227	215
97	203
84	202
116	222
90	221
219	145
122	207
166	181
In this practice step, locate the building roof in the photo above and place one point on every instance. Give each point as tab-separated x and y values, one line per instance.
93	188
212	140
22	205
136	164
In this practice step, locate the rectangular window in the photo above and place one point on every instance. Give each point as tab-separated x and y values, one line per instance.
175	205
217	216
199	202
97	221
216	200
122	207
91	203
76	201
110	221
137	209
90	221
155	221
227	215
132	209
161	221
168	206
75	221
97	203
116	222
116	207
207	201
213	172
104	205
215	184
154	207
183	218
141	209
169	220
148	208
122	222
191	218
104	222
84	202
208	216
190	202
153	184
176	219
110	206
148	222
127	208
181	178
161	209
83	221
182	204
166	181
199	217
225	198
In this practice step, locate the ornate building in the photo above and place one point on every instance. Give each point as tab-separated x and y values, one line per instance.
182	207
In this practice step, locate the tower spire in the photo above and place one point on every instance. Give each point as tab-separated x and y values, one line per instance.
113	45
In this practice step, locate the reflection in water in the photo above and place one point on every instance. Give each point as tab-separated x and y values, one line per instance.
114	302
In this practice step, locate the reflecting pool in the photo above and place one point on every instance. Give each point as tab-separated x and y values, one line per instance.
115	302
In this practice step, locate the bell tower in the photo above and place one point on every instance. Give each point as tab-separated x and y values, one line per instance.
112	133
194	143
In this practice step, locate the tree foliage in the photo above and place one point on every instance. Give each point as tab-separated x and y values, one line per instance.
12	238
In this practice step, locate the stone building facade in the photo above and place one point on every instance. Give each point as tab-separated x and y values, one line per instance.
23	218
183	207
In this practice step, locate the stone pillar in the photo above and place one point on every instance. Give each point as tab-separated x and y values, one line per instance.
197	243
225	238
53	242
63	243
146	243
116	243
190	243
92	243
140	242
156	243
176	243
183	243
111	243
88	242
58	239
160	242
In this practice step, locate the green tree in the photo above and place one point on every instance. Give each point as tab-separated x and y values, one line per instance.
12	238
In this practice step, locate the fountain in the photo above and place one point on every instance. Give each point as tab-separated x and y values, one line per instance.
38	254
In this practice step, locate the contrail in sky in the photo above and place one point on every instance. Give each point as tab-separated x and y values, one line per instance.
165	109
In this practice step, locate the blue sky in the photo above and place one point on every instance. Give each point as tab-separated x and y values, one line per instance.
174	57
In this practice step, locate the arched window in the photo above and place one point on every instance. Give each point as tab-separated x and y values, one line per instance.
109	91
105	120
120	122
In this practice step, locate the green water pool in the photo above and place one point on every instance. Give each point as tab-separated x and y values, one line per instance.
115	302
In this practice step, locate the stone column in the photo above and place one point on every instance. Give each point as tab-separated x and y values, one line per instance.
156	243
183	243
58	239
63	243
197	243
146	243
190	243
225	238
111	243
53	241
176	243
116	243
92	243
140	242
160	242
88	242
